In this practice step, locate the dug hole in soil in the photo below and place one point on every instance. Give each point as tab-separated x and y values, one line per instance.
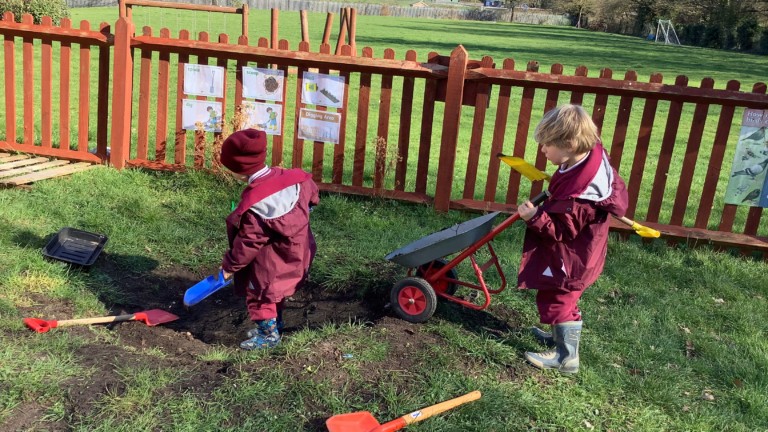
220	319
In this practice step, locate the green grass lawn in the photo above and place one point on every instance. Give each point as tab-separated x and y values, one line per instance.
674	337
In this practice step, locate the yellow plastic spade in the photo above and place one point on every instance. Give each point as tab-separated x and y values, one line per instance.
534	174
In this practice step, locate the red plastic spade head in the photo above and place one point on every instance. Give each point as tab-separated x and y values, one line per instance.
155	317
362	421
40	325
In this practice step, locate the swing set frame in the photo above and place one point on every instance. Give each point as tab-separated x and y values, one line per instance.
347	28
126	9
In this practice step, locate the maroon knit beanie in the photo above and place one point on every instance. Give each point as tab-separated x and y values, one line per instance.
245	151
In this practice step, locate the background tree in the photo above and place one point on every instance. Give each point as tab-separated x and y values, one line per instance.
730	24
580	10
613	16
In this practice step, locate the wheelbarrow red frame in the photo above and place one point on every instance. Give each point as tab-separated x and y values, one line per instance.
415	298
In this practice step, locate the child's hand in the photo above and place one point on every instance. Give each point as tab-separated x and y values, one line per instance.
225	273
526	210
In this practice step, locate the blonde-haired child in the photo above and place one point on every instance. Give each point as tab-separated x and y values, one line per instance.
566	237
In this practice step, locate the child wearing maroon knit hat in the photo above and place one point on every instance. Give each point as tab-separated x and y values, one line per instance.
271	245
566	239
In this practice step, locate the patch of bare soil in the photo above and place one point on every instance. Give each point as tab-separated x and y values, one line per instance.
222	320
29	416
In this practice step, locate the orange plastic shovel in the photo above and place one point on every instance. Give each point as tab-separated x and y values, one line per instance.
365	422
151	318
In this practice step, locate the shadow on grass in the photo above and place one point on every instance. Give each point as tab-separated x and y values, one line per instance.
498	321
27	239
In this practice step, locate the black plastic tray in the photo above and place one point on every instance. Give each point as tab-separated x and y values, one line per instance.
75	246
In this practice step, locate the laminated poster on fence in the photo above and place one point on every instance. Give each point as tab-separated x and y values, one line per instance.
323	90
319	125
203	80
264	84
748	184
201	114
264	116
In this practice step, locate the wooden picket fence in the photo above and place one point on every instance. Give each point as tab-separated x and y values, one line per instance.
401	131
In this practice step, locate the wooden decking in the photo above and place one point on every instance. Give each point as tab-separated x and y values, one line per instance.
21	169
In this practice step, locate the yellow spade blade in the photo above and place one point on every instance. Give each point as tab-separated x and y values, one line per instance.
524	168
644	231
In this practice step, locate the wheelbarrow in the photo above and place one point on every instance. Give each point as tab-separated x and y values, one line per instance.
432	275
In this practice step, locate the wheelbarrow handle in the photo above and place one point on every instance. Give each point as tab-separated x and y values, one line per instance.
540	198
427	412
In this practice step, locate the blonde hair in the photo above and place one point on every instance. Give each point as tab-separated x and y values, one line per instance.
568	127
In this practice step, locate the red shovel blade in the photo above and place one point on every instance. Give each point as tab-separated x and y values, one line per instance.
155	316
40	325
362	421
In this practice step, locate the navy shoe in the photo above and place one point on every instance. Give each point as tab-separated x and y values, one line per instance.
266	336
255	331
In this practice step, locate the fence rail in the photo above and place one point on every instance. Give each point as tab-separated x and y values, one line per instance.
452	116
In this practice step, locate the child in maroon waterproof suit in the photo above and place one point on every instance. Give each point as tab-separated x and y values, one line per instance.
566	239
271	245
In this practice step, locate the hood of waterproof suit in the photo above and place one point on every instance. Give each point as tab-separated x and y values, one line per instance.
590	179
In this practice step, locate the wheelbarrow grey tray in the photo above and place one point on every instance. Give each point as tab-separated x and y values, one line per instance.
443	243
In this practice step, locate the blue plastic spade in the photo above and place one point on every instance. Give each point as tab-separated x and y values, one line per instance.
204	288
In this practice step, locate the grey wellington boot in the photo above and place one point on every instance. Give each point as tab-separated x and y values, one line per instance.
543	337
565	356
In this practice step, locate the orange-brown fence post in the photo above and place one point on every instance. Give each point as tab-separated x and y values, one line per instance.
122	89
102	98
273	29
327	30
342	31
244	11
352	18
457	70
304	26
9	50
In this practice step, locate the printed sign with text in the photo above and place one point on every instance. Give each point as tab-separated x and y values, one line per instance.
321	89
203	80
264	84
264	116
200	114
748	184
319	125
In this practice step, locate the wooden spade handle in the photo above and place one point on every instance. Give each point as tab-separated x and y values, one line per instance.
429	411
625	220
99	320
425	413
641	230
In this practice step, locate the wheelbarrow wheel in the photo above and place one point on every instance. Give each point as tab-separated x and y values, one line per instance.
441	285
413	299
